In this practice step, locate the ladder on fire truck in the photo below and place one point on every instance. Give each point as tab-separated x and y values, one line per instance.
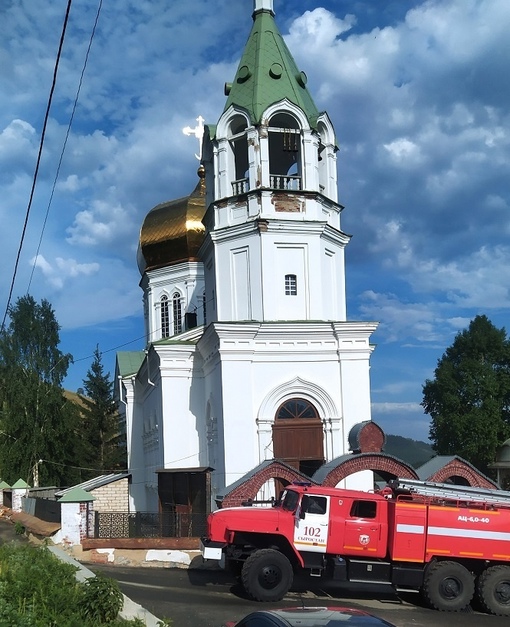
450	492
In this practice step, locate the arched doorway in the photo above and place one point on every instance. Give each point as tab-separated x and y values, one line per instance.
298	437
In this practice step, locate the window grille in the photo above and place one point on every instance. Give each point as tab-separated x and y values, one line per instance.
290	285
165	318
177	310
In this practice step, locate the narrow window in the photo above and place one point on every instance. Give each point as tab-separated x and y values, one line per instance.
239	149
204	304
290	285
165	319
177	310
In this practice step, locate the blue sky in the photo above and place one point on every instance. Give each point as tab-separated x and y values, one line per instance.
419	95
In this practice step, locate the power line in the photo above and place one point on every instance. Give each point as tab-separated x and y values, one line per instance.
36	172
65	141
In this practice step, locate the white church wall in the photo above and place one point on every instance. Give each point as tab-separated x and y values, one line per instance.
147	436
237	285
332	280
254	265
183	408
136	453
264	365
291	259
213	455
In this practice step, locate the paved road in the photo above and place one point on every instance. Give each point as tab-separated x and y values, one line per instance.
197	598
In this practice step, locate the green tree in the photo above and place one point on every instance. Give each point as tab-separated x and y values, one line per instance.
469	397
36	422
106	447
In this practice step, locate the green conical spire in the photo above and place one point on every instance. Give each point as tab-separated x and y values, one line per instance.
267	73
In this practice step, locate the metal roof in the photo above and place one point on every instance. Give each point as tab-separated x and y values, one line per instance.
172	232
129	362
97	482
267	73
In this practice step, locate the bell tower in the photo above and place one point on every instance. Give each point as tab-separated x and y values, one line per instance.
285	373
274	249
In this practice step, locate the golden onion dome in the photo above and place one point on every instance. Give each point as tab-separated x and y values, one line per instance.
173	232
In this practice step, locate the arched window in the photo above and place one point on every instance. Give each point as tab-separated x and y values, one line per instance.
297	408
165	318
284	152
239	148
177	311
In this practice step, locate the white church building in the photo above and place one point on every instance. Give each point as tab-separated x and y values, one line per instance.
249	354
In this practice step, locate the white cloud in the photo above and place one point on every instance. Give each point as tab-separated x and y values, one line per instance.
63	269
17	148
392	408
404	152
420	108
405	419
100	224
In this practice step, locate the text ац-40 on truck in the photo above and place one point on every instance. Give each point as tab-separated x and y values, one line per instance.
449	542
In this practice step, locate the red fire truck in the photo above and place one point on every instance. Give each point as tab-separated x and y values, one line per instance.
449	542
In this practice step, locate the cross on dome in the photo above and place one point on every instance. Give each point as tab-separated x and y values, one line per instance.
198	132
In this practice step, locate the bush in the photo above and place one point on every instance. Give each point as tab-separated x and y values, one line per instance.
38	590
100	599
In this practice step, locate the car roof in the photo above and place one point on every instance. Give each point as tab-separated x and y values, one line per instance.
319	617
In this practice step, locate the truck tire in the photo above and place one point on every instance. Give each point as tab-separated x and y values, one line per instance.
493	589
267	575
448	586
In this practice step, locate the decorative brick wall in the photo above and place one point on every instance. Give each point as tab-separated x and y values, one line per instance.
387	466
371	438
112	497
384	464
458	468
250	488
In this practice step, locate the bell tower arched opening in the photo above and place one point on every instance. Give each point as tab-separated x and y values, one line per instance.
239	151
284	152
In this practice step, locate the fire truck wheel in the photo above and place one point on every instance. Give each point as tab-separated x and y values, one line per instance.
494	590
448	586
267	575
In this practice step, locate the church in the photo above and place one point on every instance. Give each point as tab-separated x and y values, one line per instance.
249	355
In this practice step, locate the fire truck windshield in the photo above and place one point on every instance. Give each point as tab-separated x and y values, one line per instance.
290	500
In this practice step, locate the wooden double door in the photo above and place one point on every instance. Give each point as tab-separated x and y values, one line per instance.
298	436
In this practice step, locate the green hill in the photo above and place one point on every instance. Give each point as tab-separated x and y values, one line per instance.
413	452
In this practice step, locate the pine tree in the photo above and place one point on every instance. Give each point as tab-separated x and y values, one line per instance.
38	426
105	443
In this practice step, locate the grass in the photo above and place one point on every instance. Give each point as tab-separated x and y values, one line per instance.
38	590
